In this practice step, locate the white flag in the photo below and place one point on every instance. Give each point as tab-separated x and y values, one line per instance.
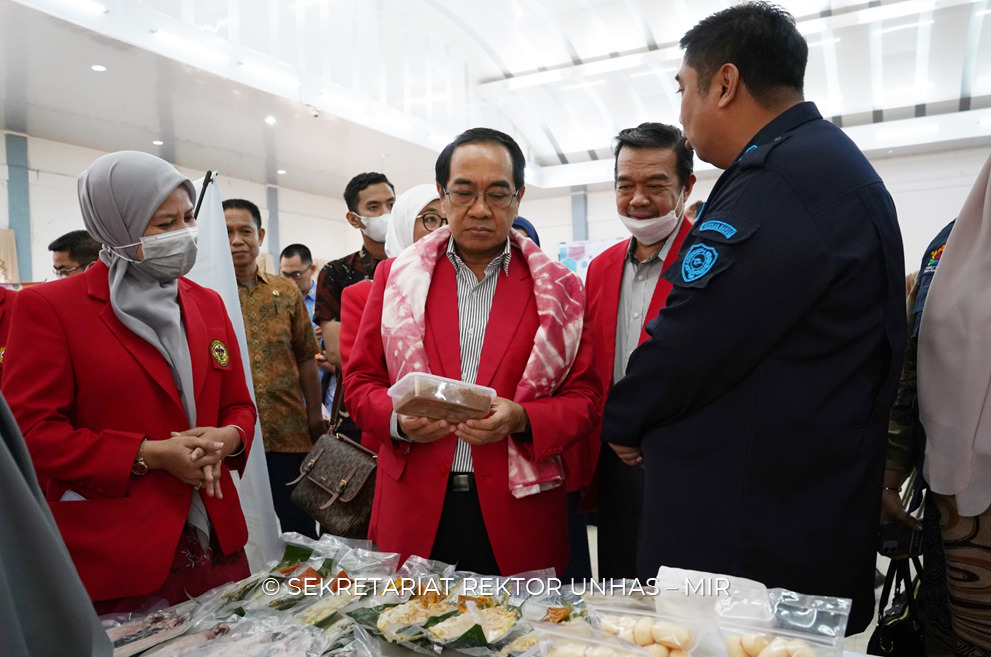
215	270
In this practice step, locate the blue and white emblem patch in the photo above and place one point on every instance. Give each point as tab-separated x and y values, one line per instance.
698	261
720	227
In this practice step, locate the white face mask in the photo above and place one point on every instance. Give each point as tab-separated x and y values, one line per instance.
653	230
167	256
375	227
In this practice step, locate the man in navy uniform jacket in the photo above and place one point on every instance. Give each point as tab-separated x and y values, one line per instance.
758	407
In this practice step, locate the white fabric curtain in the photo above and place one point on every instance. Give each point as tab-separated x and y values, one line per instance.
8	257
215	270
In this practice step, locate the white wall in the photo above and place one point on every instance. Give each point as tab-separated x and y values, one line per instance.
315	221
928	190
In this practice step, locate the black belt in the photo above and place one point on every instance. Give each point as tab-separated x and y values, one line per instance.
461	483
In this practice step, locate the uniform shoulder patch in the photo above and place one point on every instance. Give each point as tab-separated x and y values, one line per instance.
698	262
221	356
2	350
720	227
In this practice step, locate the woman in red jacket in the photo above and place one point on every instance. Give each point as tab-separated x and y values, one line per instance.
127	384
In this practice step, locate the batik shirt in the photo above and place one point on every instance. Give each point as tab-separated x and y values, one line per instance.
280	336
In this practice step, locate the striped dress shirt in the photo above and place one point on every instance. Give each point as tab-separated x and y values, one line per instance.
474	305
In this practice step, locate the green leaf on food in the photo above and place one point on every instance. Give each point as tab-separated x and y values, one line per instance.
293	556
324	623
368	616
473	638
433	620
326	569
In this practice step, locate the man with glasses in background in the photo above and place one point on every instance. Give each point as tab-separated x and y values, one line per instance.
296	264
73	253
479	303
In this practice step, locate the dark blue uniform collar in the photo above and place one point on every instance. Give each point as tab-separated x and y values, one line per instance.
782	124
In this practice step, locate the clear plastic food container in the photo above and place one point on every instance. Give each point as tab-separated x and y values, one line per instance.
428	395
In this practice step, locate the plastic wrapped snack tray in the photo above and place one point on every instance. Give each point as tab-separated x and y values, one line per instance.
582	640
427	395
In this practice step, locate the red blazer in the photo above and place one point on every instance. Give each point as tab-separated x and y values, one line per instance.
353	300
85	390
6	301
602	283
526	534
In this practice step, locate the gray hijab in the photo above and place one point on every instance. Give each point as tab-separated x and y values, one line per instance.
118	195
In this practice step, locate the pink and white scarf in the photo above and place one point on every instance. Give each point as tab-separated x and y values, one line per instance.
560	299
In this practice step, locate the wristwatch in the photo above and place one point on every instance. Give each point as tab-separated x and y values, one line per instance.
140	468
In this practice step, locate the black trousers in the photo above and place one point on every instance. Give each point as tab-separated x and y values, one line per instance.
283	467
620	501
580	565
461	535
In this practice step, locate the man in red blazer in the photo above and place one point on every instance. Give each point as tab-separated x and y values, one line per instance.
6	301
443	490
86	391
653	182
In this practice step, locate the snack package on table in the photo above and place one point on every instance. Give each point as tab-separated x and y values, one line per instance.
264	637
781	623
583	640
359	572
466	612
551	606
134	633
661	635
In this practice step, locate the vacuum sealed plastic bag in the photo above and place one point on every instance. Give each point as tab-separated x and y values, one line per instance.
660	635
782	623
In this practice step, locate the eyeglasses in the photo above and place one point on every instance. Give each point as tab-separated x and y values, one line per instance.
496	199
62	273
431	221
295	275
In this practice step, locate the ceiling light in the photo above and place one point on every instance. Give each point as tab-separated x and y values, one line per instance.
187	50
85	5
281	172
99	68
986	123
270	120
158	142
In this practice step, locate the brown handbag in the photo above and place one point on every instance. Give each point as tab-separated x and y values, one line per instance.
336	484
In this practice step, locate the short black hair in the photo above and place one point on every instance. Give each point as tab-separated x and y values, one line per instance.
657	135
761	40
443	167
241	204
360	182
80	246
305	257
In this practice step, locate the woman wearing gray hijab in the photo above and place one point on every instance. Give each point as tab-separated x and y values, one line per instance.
127	384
